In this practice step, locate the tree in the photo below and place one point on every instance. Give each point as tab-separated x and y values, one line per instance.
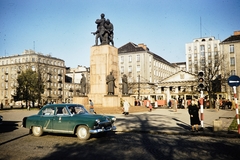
215	76
30	87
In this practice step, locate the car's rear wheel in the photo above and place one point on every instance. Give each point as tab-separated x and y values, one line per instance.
37	131
83	132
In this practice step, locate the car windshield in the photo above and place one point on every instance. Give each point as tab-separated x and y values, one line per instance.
77	109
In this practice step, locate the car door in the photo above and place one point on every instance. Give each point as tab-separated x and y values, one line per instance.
46	118
61	119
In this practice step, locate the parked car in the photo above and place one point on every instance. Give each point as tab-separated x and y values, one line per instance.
70	119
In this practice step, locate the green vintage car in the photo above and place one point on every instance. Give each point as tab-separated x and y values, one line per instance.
70	119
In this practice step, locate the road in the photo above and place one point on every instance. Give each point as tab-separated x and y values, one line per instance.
17	144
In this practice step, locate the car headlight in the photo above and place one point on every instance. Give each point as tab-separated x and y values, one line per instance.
114	119
97	121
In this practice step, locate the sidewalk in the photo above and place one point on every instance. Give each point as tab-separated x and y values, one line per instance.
165	121
159	121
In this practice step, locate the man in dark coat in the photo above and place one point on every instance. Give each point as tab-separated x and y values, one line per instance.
193	111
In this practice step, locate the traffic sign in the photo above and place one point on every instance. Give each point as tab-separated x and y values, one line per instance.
233	81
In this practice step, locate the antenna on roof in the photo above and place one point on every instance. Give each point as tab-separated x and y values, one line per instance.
200	27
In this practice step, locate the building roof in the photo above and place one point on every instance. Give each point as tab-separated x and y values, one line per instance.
131	47
232	38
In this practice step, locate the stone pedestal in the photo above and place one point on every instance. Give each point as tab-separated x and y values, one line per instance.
81	100
217	125
103	60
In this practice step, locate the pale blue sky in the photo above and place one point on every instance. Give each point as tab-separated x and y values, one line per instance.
62	27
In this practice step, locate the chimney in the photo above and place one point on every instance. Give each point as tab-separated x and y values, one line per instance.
143	46
236	33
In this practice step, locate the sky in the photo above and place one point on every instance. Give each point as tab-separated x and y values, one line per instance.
62	28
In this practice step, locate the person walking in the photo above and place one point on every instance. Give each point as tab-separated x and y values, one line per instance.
169	103
193	111
150	107
126	107
91	110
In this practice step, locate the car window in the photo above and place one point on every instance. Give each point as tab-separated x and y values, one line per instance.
77	109
48	111
61	111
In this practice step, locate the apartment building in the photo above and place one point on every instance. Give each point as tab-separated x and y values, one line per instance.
230	47
201	54
75	76
144	69
53	68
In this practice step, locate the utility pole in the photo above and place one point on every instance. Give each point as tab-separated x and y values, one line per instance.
138	86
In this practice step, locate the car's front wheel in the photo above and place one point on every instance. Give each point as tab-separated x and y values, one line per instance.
37	131
83	132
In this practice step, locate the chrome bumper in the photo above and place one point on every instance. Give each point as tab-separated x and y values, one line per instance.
94	131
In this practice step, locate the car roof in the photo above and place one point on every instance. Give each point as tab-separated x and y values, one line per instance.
62	104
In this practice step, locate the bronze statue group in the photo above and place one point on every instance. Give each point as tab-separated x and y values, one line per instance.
104	31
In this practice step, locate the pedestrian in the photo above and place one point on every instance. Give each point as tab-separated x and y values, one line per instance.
155	104
169	103
1	105
91	110
217	103
193	111
150	107
126	107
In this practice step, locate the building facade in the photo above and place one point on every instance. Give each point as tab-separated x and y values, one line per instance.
75	75
230	47
144	70
201	54
52	69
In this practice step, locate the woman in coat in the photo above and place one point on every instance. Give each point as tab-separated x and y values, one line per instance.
193	111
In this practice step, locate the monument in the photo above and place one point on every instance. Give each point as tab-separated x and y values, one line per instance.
104	70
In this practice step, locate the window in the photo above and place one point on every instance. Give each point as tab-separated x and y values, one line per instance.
231	48
233	72
122	69
130	58
138	58
202	48
122	59
232	61
130	69
138	68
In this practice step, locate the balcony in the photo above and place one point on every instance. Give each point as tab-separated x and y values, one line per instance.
59	88
70	90
6	80
49	88
59	74
59	81
6	72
